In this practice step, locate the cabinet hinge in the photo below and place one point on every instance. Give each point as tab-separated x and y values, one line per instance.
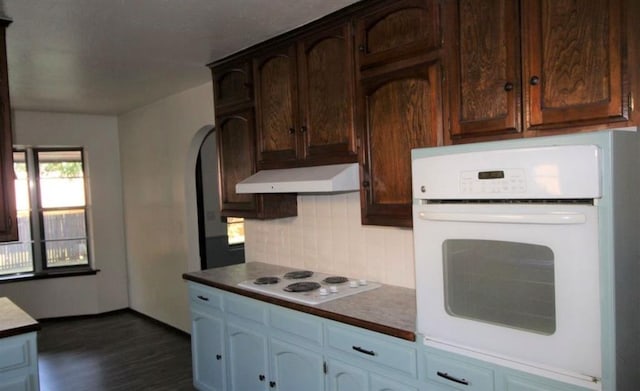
630	102
324	367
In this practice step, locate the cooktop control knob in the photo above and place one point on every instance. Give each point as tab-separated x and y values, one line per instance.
362	282
323	291
333	289
353	284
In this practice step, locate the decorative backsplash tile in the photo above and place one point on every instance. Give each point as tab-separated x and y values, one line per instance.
327	236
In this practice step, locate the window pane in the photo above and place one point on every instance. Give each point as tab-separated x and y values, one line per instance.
66	252
61	179
64	224
65	237
235	230
506	283
16	257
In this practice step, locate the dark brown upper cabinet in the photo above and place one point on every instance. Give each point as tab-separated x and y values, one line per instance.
547	66
398	102
401	110
483	68
236	157
305	100
8	212
573	63
397	29
236	144
233	86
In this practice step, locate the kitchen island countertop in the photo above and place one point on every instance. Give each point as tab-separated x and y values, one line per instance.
389	309
14	321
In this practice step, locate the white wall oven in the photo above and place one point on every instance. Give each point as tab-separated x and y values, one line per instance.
507	255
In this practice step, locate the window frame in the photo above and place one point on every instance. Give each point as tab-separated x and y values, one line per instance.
40	262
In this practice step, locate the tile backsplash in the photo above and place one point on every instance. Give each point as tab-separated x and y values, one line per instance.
327	236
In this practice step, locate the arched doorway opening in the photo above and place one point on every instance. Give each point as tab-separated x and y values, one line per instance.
219	238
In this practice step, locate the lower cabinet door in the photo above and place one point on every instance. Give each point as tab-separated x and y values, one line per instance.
344	377
21	383
379	383
247	359
295	368
207	350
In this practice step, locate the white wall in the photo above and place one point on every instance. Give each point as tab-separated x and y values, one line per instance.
327	236
106	290
159	145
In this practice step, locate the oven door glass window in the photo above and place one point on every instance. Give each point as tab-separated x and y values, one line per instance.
505	283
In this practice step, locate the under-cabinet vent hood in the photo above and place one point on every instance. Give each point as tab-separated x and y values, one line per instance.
317	179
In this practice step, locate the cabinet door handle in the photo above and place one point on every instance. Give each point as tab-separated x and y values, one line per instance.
508	86
303	129
203	298
445	375
365	184
292	131
218	357
272	384
534	80
261	377
361	48
365	351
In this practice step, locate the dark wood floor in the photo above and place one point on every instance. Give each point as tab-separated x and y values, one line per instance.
120	351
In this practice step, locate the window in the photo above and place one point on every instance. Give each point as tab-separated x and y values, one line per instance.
235	230
50	198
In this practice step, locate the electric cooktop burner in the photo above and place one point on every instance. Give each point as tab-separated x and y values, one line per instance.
266	280
308	287
335	280
298	274
305	286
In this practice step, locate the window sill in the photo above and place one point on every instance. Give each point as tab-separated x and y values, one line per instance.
48	274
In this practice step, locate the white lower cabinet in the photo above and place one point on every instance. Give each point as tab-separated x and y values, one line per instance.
19	363
295	368
447	371
379	383
345	377
248	363
242	344
207	333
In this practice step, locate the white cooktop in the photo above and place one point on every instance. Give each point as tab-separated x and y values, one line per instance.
327	289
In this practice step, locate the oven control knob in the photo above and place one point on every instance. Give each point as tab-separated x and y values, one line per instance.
362	282
353	284
323	291
333	289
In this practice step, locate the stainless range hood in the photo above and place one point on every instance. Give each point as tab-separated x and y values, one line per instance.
317	179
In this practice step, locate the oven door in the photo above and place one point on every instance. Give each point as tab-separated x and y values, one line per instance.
517	282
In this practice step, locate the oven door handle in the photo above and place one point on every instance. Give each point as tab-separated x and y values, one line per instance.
559	218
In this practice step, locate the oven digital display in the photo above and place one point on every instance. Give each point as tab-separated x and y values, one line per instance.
491	175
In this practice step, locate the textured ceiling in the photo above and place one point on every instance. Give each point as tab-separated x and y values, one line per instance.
112	56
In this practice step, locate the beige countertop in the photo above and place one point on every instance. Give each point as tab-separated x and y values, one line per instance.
14	321
389	309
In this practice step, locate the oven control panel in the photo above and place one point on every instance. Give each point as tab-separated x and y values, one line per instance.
493	181
540	172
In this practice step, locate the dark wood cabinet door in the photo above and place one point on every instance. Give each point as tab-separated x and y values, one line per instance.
573	70
236	161
8	213
276	92
400	110
396	30
327	94
484	68
236	138
232	85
